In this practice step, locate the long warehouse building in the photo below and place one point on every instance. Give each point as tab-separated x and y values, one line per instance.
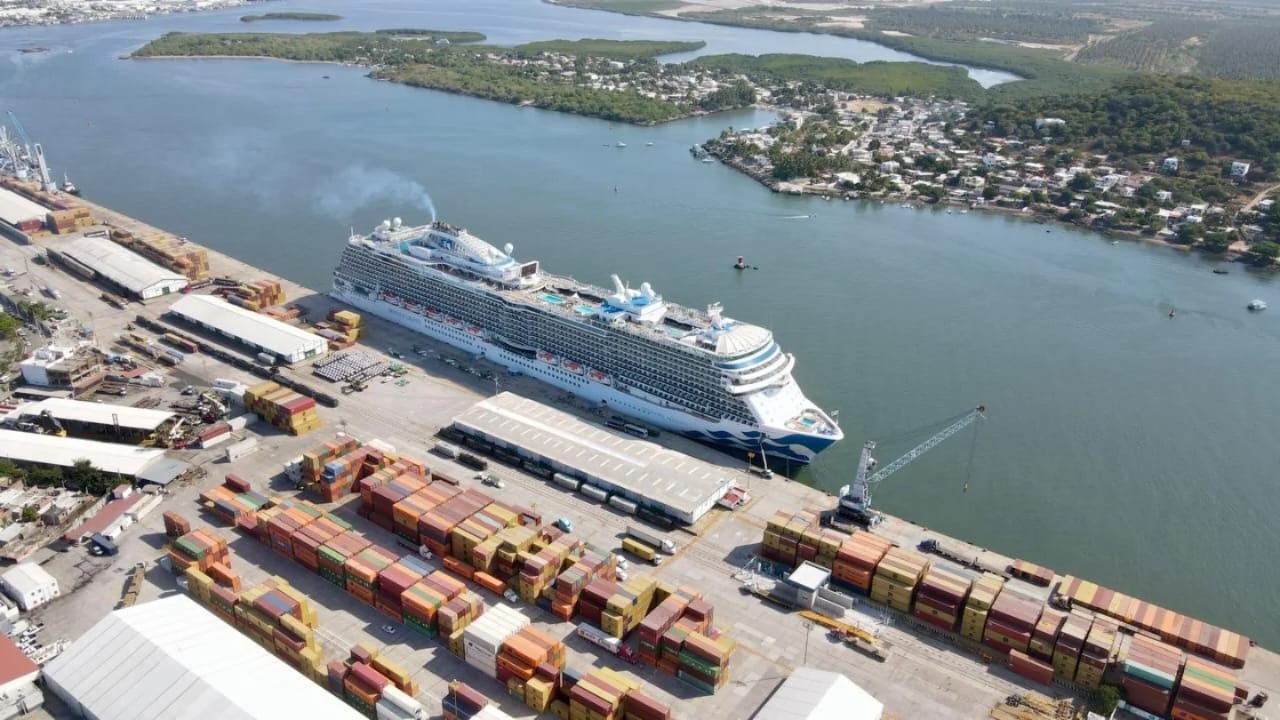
21	212
262	333
119	267
33	449
119	422
681	487
171	659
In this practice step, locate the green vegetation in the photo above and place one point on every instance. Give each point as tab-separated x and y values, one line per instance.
453	36
1105	700
613	49
290	16
960	21
1163	46
9	326
1244	50
875	78
501	83
81	476
352	47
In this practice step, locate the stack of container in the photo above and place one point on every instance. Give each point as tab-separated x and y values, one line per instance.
282	620
638	706
282	407
406	513
386	496
199	548
570	583
540	569
783	533
393	581
599	695
436	527
1011	621
981	597
335	553
856	561
595	596
284	520
519	660
61	222
1066	651
1095	656
362	571
308	540
313	461
257	295
941	597
463	703
169	251
1206	691
483	638
422	602
1151	670
1030	668
456	616
626	608
1045	635
704	662
229	505
175	526
896	578
1221	646
660	620
375	686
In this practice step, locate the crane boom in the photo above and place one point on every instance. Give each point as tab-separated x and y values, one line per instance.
857	497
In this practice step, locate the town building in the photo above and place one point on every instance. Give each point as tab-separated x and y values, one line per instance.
29	585
63	367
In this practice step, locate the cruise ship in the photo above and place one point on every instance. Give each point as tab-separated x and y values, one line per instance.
627	350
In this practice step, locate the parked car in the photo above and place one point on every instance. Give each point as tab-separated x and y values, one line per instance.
564	524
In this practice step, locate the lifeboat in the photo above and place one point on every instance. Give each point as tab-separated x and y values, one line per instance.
452	321
573	367
599	377
546	357
473	329
432	313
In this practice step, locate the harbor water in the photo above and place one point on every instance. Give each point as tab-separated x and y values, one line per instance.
1119	444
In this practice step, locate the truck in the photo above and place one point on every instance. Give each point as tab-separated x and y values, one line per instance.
642	551
596	636
651	538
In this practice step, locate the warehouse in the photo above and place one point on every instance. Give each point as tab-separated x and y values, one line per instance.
18	674
120	267
33	449
118	423
171	658
260	332
29	585
811	694
20	212
677	485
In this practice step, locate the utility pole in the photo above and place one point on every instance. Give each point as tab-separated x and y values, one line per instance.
807	627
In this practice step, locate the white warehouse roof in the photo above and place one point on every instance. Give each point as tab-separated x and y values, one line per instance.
250	327
15	209
122	266
53	450
811	694
171	659
28	578
97	413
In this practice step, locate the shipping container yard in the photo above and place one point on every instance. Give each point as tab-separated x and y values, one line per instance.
421	535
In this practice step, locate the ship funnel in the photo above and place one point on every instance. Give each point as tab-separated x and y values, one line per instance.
618	287
385	226
508	249
646	289
396	223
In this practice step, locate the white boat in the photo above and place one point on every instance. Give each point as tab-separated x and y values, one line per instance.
620	144
649	144
701	374
708	159
1257	304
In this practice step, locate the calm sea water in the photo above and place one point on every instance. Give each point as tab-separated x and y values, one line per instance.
1121	445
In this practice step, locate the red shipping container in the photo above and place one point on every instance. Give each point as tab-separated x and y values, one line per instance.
237	483
1030	668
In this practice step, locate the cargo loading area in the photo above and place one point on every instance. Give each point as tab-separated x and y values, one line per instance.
681	487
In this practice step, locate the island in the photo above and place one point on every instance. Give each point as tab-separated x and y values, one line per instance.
310	16
617	80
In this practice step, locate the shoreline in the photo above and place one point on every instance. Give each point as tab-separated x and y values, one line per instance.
1037	216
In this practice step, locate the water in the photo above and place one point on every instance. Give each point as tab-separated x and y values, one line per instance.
1119	444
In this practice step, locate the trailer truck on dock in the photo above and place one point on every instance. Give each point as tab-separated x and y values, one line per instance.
651	538
642	551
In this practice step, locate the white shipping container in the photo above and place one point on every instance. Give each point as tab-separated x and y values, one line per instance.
483	664
385	711
400	699
382	445
491	712
594	492
241	422
242	449
224	383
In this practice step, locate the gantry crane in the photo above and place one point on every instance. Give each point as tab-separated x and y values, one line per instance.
855	499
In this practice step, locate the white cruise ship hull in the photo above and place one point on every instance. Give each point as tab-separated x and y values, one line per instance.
779	443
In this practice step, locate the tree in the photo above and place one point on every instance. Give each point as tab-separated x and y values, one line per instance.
9	325
9	470
44	476
1105	700
1190	232
1082	181
1216	242
1264	252
30	513
85	477
990	192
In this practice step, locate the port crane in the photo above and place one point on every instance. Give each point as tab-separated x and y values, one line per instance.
29	157
855	499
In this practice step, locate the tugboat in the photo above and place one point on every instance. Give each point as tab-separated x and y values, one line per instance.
1257	305
69	187
741	264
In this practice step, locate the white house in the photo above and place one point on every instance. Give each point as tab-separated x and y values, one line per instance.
1170	164
889	167
29	585
1239	169
1163	196
973	181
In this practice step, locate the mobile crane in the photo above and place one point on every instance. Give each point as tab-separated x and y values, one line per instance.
855	499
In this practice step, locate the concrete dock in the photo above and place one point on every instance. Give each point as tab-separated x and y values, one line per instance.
924	677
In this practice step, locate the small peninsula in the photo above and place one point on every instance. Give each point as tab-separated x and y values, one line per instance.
309	16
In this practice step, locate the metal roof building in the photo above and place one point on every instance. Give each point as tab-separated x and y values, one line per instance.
96	414
260	332
29	585
17	210
122	267
23	447
171	659
811	694
682	487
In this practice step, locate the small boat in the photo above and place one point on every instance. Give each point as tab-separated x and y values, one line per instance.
620	144
571	366
324	77
649	144
599	377
1257	305
1220	271
708	160
69	187
741	264
474	330
547	357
